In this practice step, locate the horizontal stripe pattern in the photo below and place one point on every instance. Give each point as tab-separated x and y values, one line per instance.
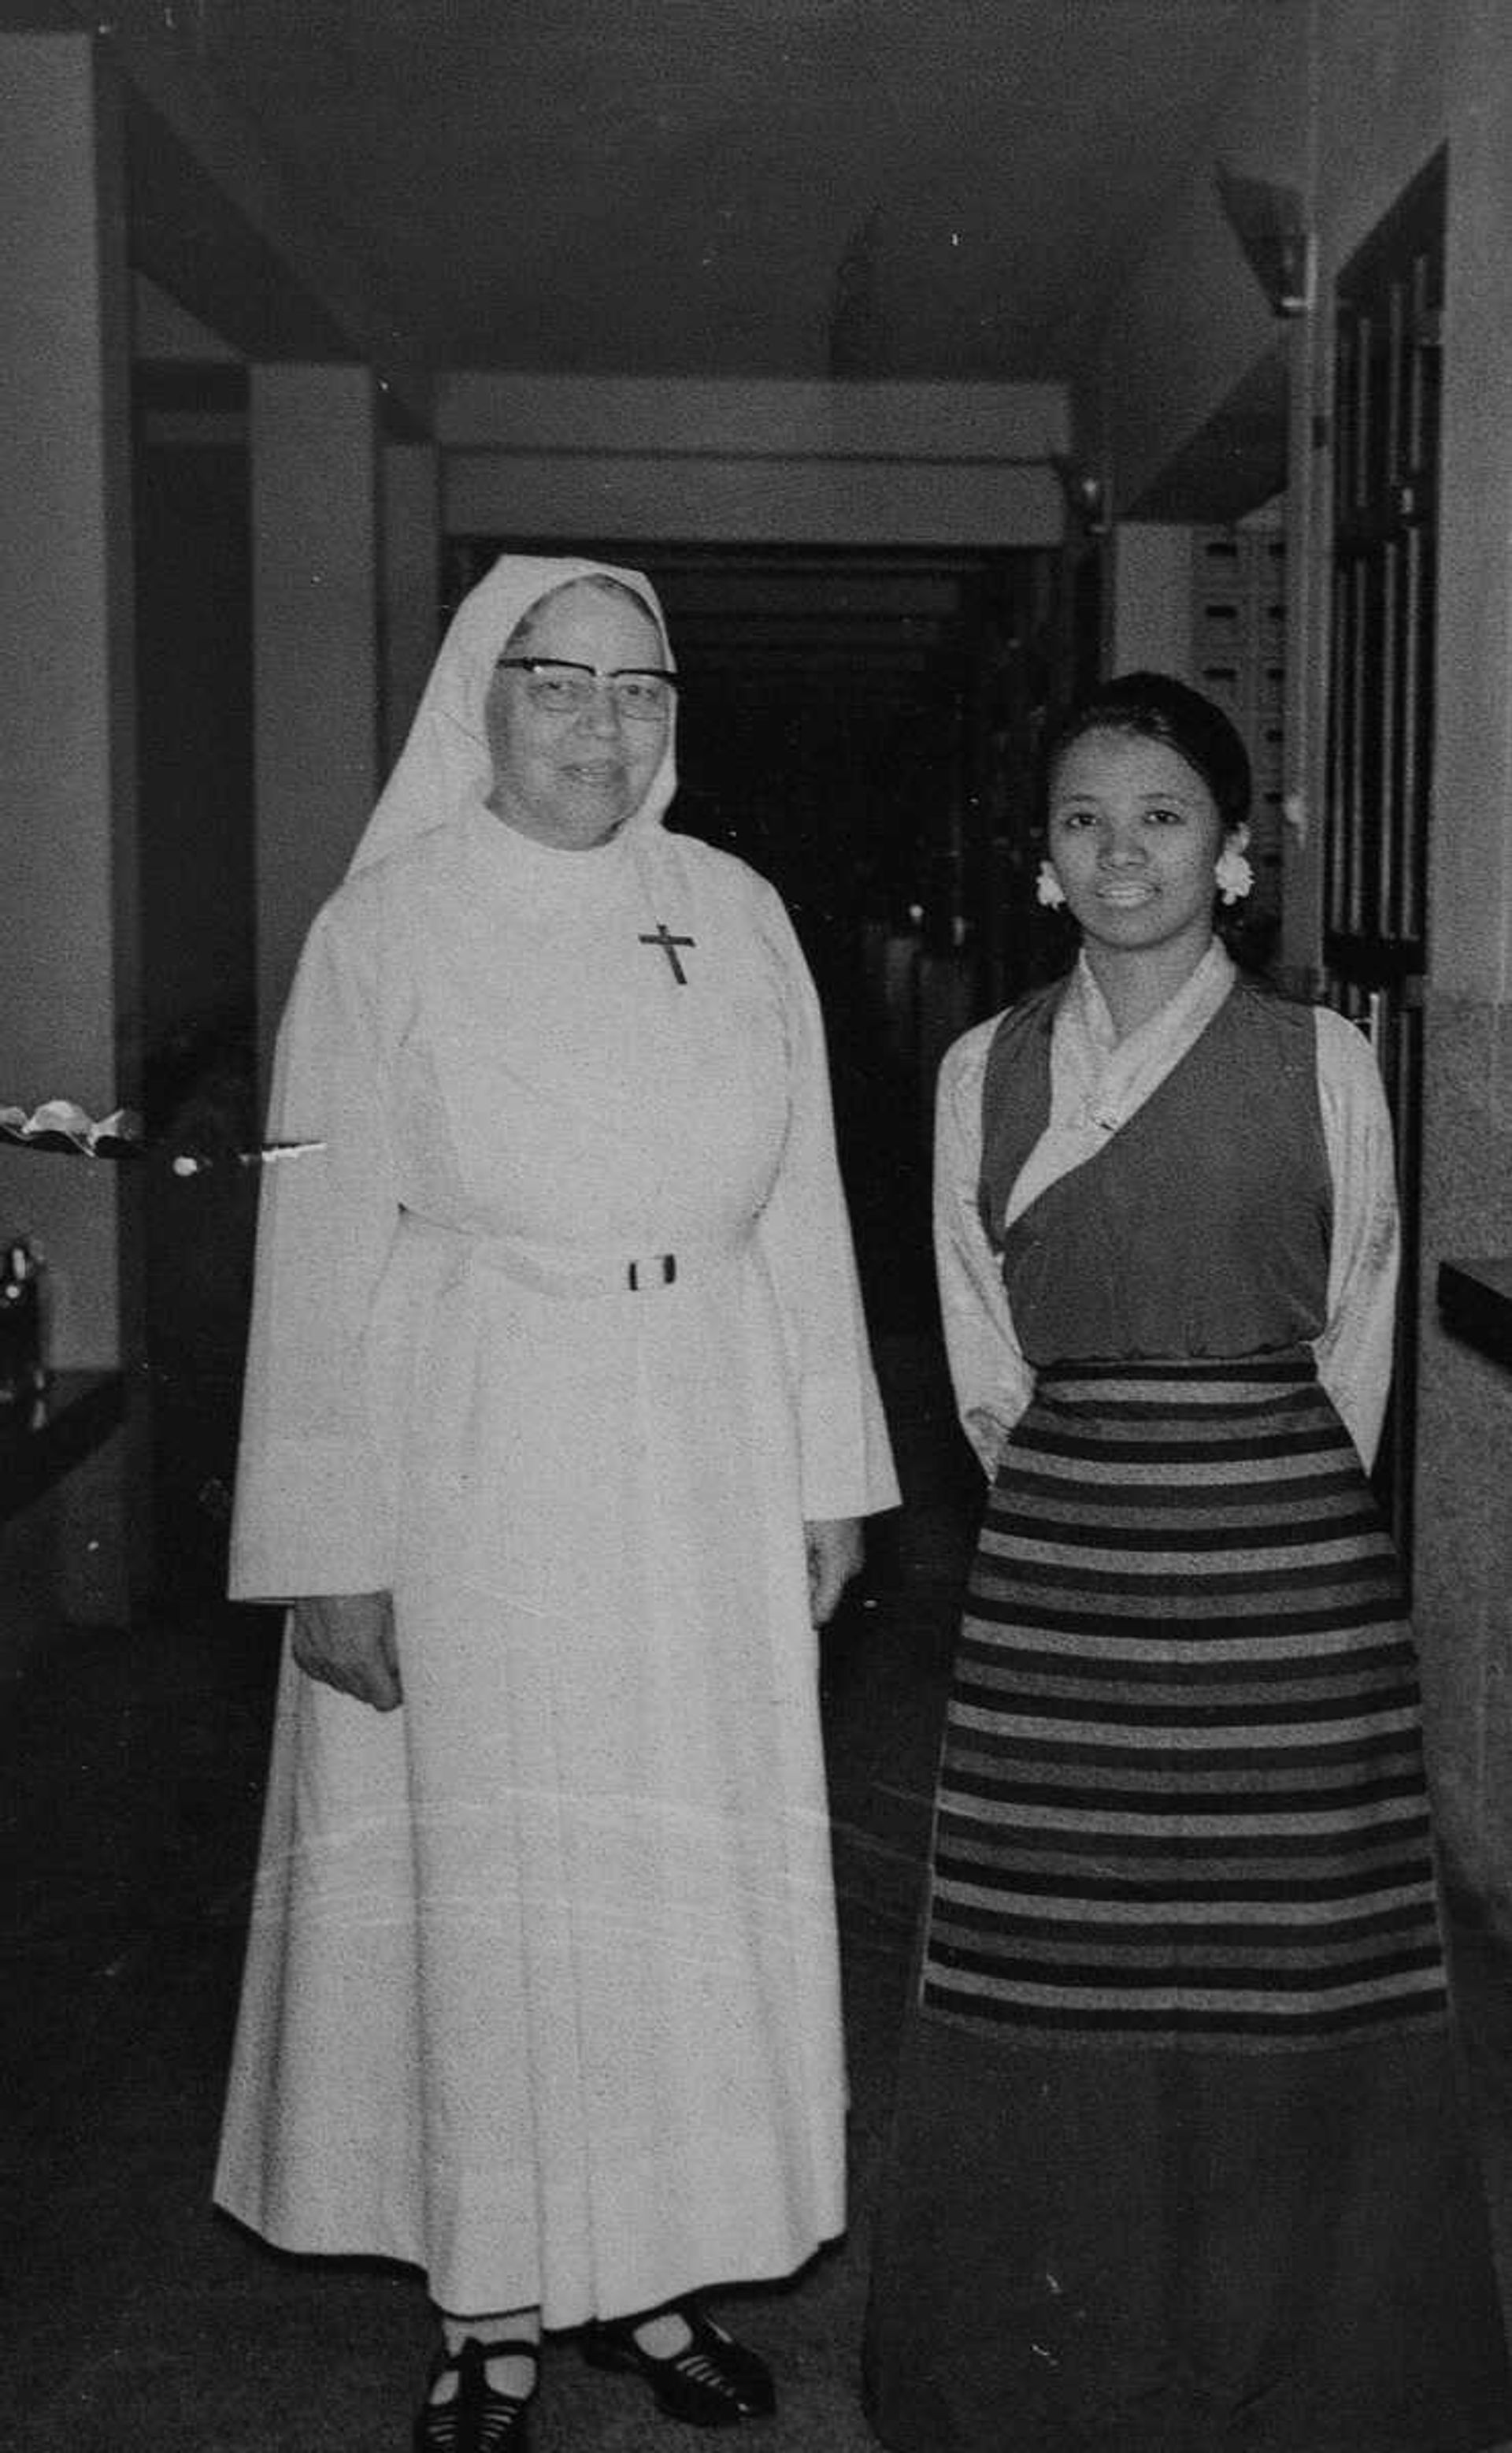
1181	1794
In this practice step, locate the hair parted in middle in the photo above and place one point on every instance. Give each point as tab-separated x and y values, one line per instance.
1156	706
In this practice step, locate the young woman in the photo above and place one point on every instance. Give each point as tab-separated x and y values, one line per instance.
1179	2164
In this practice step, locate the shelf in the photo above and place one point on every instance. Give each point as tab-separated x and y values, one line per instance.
61	1127
1475	1303
42	1438
65	1145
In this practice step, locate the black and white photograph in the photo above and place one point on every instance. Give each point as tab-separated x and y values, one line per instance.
756	1226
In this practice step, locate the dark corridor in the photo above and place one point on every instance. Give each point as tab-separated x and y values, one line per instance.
134	1769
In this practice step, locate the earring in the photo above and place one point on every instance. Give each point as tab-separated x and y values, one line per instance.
1232	874
1048	891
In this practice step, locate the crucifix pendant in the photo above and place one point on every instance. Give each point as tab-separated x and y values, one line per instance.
661	936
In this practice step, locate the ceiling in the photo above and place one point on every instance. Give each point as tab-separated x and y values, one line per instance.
914	190
924	190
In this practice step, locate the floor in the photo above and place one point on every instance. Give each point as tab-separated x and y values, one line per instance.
132	1766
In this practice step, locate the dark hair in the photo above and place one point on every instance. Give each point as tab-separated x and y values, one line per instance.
1155	706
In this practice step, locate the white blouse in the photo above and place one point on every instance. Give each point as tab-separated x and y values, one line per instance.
1097	1082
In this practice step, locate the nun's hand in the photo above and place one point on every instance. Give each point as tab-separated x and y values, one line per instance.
833	1544
347	1641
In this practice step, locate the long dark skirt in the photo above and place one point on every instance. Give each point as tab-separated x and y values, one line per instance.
1180	2164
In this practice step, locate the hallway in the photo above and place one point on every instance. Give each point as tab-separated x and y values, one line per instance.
132	1771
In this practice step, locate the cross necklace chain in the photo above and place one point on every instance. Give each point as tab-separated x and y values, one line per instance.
661	936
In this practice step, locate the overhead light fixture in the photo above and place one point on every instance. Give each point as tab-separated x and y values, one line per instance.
1085	495
1270	223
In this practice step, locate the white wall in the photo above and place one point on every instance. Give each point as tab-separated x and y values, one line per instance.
67	749
161	329
1148	581
315	581
1192	321
411	583
1471	883
783	463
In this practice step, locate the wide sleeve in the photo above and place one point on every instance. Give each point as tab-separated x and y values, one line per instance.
993	1383
804	1234
312	1512
1354	1352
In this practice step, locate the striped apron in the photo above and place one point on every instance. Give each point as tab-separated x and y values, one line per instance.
1179	2163
1182	1793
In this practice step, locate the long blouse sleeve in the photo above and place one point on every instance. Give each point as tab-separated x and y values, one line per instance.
804	1234
312	1512
993	1383
1354	1352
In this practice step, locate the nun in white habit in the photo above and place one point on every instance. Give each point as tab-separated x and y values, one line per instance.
559	1419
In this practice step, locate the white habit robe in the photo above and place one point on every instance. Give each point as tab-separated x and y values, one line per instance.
541	1991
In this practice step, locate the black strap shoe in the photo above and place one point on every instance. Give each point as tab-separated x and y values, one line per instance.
475	2419
713	2382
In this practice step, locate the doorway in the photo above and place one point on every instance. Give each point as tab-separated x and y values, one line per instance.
860	724
194	732
1387	380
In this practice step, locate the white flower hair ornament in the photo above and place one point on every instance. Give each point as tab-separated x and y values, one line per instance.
1232	873
1048	890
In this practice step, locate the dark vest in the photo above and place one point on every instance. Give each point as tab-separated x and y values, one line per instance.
1201	1227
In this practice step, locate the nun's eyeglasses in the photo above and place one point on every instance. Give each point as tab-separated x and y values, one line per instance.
558	688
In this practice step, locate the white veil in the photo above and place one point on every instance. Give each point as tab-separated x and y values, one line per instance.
444	765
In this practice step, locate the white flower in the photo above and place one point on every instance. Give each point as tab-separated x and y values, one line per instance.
1232	873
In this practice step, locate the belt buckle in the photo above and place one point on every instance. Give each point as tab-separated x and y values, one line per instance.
638	1281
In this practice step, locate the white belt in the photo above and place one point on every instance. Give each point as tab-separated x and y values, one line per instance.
588	1273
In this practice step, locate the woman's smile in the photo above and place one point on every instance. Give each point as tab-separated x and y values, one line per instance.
571	777
1133	835
601	772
